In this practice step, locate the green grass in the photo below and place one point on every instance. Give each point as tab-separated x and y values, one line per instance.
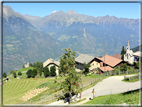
15	89
24	69
120	98
132	79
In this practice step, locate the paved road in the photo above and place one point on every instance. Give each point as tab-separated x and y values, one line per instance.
110	85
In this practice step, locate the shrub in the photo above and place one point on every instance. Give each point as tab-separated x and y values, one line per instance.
19	73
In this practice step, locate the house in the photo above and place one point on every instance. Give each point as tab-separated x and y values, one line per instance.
95	63
105	68
117	56
137	56
50	62
111	61
81	59
26	65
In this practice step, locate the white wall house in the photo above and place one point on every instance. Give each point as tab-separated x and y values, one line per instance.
50	62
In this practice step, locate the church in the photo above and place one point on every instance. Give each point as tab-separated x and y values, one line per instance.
131	56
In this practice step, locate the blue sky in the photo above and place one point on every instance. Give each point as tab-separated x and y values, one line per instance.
120	10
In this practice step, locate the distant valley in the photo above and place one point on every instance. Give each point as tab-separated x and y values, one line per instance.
32	38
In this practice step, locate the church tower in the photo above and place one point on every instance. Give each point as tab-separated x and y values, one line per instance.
128	46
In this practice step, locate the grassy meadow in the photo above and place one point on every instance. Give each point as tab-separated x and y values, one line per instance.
120	98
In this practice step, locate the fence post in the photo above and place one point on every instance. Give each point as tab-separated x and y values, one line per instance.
115	72
119	72
91	81
31	101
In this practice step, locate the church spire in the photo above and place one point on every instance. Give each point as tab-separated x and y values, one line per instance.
128	43
128	46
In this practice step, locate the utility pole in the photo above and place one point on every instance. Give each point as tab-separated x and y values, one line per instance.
104	46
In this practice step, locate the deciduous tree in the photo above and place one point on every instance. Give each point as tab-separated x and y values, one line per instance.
29	73
46	72
53	71
20	73
71	83
4	75
33	73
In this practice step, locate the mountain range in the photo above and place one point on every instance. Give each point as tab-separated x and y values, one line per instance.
29	38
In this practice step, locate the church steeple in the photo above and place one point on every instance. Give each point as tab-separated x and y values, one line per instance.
128	46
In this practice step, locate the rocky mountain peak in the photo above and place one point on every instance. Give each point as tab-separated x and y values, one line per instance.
71	12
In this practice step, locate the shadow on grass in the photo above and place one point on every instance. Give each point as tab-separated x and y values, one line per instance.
128	92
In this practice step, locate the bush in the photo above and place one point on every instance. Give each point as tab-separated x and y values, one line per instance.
19	73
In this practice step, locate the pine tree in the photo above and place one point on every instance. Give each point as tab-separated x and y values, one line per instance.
122	53
71	83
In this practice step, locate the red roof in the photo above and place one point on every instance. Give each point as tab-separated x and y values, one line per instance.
117	56
106	68
110	60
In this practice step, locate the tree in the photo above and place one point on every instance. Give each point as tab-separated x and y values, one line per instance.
123	67
23	66
40	72
53	71
29	73
20	73
33	73
122	53
4	75
46	72
11	72
14	74
86	66
62	70
71	83
30	64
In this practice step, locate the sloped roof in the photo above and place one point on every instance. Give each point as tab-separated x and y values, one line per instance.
117	56
50	61
138	53
84	58
106	68
110	60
